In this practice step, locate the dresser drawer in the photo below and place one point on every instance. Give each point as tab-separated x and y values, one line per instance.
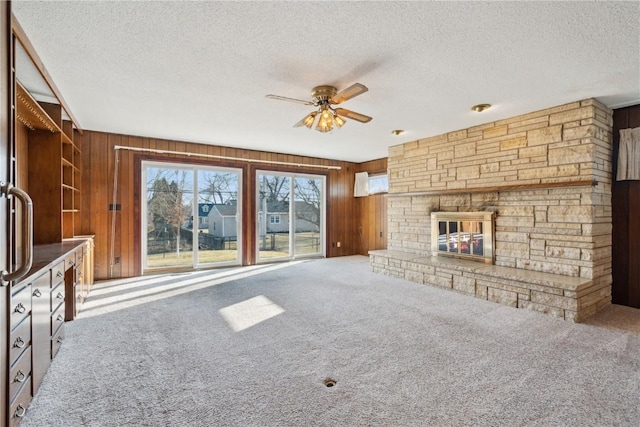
57	297
41	287
70	261
19	406
57	320
20	339
57	274
56	341
19	374
20	305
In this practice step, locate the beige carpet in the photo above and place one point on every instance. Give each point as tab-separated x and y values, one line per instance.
252	346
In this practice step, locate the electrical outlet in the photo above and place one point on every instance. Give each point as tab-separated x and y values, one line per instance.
338	244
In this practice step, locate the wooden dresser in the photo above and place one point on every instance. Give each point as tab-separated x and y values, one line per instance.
50	294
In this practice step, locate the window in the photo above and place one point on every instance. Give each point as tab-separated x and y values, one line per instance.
172	193
378	184
291	215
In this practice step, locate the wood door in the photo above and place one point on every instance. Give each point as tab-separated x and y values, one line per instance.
625	209
5	176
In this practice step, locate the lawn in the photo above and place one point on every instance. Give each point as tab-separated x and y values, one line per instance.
306	243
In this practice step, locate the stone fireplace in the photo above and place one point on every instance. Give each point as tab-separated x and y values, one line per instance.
547	178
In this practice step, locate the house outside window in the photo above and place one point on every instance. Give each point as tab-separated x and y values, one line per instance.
274	219
378	184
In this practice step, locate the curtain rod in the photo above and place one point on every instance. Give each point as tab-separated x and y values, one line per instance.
211	156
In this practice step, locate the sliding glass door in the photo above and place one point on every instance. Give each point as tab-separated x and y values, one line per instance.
191	216
291	215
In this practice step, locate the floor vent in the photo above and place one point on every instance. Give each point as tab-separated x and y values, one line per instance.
329	382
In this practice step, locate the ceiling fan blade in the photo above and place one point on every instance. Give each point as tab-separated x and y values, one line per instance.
300	123
353	115
284	98
348	93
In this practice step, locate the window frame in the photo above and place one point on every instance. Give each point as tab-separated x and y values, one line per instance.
375	176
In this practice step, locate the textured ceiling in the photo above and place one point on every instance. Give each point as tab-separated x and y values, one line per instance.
198	71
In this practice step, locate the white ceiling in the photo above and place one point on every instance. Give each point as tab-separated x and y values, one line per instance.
198	71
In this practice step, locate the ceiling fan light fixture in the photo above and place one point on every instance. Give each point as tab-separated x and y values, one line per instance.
325	118
325	123
339	121
324	127
308	121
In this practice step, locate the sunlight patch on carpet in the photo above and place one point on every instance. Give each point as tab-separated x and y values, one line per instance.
250	312
97	305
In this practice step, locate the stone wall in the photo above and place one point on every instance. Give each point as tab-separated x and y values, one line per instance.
566	143
564	230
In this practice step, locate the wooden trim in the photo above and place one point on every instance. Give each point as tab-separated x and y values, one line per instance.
227	158
137	212
249	218
515	187
18	31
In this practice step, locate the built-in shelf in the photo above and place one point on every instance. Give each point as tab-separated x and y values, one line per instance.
31	114
69	187
66	139
493	189
53	160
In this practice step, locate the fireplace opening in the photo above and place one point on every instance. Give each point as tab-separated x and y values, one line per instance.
467	235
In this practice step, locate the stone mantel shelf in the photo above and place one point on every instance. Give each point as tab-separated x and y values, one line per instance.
514	187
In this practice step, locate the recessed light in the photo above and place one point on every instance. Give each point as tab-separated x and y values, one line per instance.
397	132
480	107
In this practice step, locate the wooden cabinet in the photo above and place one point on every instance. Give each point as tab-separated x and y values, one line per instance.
20	351
41	309
56	285
78	278
50	173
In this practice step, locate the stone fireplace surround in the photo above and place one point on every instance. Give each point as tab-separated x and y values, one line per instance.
546	174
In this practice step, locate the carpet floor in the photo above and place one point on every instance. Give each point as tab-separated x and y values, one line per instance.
253	346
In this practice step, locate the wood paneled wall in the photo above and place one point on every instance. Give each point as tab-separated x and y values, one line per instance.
98	170
625	207
372	213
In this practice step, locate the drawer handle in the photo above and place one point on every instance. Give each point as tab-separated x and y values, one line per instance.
20	377
20	410
71	263
60	339
37	293
59	274
60	296
20	308
59	318
19	343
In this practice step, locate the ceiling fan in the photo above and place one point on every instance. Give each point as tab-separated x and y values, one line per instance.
324	97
